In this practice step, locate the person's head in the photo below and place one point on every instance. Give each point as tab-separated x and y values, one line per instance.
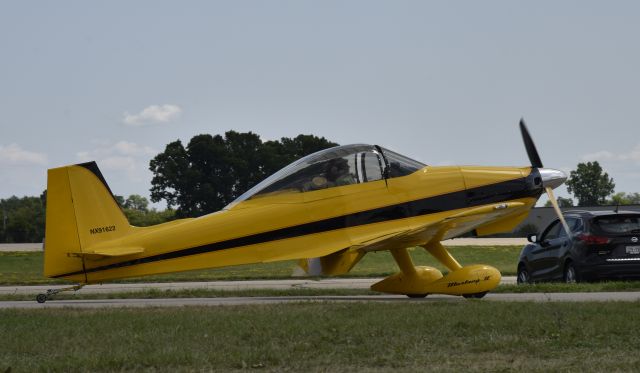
336	168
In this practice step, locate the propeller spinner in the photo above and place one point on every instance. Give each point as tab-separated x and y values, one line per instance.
551	178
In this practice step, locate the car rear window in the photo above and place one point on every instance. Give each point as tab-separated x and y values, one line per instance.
619	224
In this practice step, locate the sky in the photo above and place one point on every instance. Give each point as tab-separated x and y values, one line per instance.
443	82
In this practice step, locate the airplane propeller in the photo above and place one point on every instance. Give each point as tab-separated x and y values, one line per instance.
532	152
550	178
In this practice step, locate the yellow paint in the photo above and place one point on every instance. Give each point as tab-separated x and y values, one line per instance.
473	279
415	283
436	249
475	176
403	259
61	232
110	252
340	263
87	230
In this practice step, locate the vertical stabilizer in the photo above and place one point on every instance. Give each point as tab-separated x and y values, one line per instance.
81	212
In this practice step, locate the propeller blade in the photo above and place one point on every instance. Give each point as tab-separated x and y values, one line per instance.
534	158
550	178
554	202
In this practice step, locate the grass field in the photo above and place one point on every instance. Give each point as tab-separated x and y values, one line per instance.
325	337
25	268
320	337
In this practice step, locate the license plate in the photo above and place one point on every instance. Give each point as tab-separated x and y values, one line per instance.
635	250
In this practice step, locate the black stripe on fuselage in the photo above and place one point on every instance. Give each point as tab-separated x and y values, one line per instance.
493	193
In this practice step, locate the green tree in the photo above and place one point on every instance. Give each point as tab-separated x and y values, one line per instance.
22	220
119	199
590	184
136	209
170	169
562	202
212	171
634	198
623	198
149	217
136	202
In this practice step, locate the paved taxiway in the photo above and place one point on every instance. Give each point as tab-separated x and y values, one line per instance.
234	301
349	283
330	283
341	283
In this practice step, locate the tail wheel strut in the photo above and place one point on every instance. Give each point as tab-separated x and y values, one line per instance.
41	298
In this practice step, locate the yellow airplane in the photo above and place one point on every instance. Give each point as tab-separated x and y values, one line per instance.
326	210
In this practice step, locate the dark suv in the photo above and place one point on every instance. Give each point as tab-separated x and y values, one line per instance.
604	245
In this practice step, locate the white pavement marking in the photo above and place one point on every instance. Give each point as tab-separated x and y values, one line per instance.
332	283
234	301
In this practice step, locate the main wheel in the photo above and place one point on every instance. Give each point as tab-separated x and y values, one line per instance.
475	295
523	275
570	273
41	298
417	295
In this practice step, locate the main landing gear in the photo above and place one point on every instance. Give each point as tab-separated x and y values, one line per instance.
41	298
471	282
416	295
475	296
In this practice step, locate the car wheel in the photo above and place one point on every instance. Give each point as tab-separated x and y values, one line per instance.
570	274
523	276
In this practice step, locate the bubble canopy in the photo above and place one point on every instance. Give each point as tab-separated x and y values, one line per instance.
337	166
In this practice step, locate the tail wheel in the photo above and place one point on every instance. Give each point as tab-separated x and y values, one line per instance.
523	275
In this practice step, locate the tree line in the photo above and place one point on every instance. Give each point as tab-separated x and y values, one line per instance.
592	186
23	219
212	170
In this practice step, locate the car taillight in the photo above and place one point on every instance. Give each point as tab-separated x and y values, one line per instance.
593	240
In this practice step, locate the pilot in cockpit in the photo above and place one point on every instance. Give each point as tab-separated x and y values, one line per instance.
336	173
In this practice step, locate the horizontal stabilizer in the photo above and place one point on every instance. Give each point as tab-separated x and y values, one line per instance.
108	253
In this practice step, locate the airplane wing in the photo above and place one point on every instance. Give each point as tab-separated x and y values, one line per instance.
449	227
342	261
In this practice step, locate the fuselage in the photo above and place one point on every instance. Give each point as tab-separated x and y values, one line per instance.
294	225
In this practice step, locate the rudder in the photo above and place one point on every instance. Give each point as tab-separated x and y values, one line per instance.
81	211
